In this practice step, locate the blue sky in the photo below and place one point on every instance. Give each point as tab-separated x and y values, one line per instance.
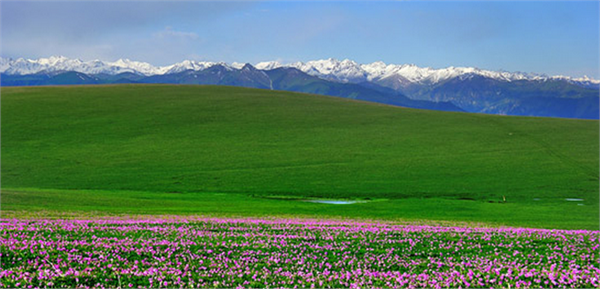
557	37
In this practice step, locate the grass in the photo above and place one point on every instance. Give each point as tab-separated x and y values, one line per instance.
103	147
30	203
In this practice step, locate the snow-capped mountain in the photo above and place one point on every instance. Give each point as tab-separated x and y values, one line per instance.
188	65
395	75
23	66
331	69
350	71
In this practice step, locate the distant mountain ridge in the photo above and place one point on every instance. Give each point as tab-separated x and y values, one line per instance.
330	69
23	66
350	71
453	89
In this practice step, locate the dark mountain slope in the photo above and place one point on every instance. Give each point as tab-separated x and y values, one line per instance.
291	79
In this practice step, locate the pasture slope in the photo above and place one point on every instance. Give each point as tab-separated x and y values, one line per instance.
215	150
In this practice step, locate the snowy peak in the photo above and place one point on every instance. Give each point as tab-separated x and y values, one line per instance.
248	67
60	63
55	60
345	70
268	65
185	65
330	69
125	65
350	71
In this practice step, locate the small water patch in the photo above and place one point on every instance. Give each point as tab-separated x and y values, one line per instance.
573	200
333	202
580	204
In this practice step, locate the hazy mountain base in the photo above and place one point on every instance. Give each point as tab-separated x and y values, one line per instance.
552	98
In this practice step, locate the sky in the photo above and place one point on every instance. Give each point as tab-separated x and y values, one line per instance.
555	38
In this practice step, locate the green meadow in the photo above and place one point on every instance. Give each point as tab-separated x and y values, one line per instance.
214	150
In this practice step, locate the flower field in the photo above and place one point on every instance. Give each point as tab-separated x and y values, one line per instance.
220	252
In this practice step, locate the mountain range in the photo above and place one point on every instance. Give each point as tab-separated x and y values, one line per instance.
453	89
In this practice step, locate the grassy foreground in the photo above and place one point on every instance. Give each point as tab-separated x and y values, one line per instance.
207	149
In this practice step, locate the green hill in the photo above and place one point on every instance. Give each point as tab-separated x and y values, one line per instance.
261	143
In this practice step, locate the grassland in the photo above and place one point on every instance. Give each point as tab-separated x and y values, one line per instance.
225	150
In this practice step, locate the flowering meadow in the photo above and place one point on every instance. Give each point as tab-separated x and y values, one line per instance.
220	252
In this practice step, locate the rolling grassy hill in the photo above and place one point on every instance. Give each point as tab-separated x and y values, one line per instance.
170	149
